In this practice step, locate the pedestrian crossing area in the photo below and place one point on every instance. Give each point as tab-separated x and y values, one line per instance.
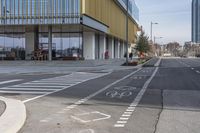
50	85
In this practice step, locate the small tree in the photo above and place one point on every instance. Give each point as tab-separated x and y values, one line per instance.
142	45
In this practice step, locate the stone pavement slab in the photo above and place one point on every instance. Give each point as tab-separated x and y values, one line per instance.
181	113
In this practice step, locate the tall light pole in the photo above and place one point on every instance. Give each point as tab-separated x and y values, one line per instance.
154	42
152	23
127	15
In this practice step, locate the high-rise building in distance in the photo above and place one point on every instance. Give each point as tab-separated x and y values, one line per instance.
196	21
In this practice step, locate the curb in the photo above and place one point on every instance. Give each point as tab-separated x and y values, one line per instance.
14	116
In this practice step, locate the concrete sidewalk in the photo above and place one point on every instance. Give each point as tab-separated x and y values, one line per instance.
13	115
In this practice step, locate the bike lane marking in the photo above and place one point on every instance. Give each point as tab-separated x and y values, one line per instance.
81	101
129	111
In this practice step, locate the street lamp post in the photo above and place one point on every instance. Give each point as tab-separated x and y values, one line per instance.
155	43
127	15
152	23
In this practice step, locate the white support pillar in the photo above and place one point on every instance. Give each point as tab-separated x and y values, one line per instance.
121	49
29	44
111	48
116	49
89	45
102	47
31	41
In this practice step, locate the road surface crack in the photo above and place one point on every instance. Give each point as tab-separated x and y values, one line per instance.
159	114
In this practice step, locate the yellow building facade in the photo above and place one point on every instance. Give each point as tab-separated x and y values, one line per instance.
111	14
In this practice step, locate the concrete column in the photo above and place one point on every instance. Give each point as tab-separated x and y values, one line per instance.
89	45
123	49
111	48
102	47
31	41
50	43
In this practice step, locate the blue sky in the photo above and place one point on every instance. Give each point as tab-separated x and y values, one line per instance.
173	16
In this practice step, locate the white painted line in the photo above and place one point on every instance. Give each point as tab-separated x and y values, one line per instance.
140	94
129	113
119	125
104	118
22	92
38	86
124	118
81	101
158	62
121	122
192	68
10	81
27	89
198	71
126	115
38	83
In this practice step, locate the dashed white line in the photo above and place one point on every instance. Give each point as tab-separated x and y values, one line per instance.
136	101
81	101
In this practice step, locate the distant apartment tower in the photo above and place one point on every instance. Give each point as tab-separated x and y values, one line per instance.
196	21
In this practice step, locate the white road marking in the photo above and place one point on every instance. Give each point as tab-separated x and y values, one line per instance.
124	118
102	117
27	89
198	71
158	62
10	81
87	78
42	83
138	97
192	68
23	92
119	125
121	122
81	101
39	86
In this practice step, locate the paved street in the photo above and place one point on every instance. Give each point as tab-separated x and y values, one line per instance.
163	99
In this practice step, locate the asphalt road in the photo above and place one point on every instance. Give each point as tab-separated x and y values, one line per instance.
159	99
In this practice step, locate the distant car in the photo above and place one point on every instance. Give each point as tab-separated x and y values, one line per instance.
198	55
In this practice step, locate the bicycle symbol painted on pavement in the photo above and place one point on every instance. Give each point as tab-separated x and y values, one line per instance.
120	92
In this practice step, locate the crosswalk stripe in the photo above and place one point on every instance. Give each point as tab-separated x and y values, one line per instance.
72	82
41	83
10	81
47	86
28	89
39	86
23	92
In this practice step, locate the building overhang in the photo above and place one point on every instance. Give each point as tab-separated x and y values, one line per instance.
94	24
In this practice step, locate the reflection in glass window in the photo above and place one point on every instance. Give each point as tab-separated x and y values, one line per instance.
64	45
12	46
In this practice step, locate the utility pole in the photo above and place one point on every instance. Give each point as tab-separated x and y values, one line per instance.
127	15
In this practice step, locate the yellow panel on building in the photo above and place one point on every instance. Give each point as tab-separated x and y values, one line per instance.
112	15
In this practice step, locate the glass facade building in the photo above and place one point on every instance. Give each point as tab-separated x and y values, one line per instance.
39	11
27	26
196	21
